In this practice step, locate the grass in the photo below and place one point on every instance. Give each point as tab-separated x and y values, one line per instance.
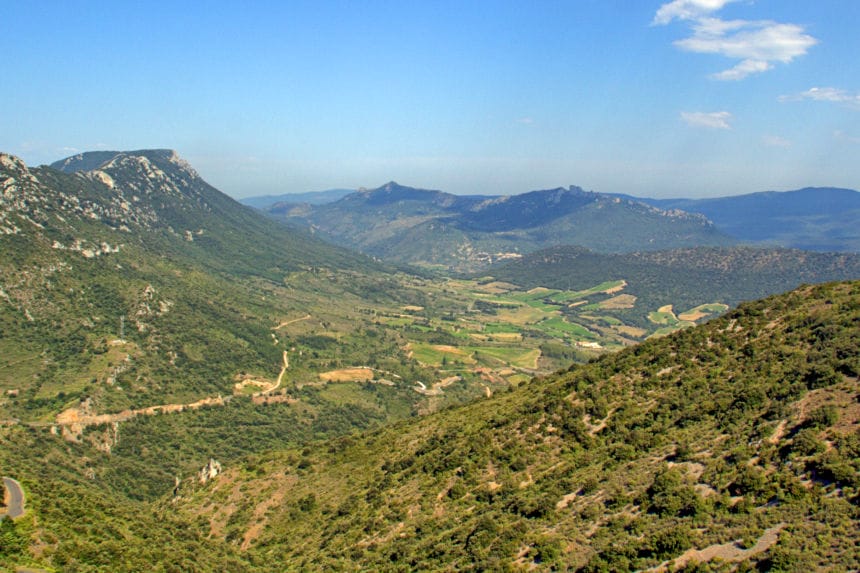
702	311
663	315
558	326
666	330
433	355
522	358
500	327
570	296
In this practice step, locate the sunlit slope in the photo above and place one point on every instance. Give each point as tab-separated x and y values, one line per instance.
684	278
137	283
738	438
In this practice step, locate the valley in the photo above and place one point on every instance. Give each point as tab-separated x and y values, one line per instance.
151	326
407	287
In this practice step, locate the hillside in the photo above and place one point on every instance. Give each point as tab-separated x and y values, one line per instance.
135	289
736	440
680	278
148	324
734	443
432	228
141	274
813	218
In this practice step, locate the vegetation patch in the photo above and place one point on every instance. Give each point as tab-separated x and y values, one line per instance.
703	311
664	315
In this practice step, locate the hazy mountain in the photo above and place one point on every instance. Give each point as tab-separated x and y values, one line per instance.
418	226
265	202
814	218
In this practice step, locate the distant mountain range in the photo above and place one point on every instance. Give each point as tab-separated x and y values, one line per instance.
813	218
264	202
433	228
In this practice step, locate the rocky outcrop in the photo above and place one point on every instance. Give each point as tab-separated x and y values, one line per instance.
209	471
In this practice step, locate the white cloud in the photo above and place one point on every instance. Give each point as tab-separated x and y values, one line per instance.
834	95
775	141
710	120
525	120
757	44
687	10
742	70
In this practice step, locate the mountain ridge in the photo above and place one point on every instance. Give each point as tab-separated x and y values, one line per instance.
811	218
429	227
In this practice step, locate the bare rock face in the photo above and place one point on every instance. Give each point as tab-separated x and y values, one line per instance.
209	471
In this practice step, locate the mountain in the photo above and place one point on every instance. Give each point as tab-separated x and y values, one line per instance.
433	228
813	218
155	191
264	202
733	444
134	284
173	366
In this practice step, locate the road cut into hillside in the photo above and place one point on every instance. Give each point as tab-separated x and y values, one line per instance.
13	499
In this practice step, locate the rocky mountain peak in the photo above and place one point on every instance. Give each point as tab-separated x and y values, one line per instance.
17	186
146	161
12	163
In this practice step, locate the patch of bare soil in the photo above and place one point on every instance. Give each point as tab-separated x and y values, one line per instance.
347	375
259	519
842	396
731	552
631	330
621	301
436	388
73	420
289	322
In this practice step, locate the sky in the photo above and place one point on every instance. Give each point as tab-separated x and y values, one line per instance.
679	98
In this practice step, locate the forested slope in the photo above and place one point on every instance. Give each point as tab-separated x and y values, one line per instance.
740	436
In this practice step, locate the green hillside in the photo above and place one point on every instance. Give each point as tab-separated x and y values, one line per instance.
730	445
737	438
149	324
138	284
684	278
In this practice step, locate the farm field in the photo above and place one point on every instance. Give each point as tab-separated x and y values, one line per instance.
484	328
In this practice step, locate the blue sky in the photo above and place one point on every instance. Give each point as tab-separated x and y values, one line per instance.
676	98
